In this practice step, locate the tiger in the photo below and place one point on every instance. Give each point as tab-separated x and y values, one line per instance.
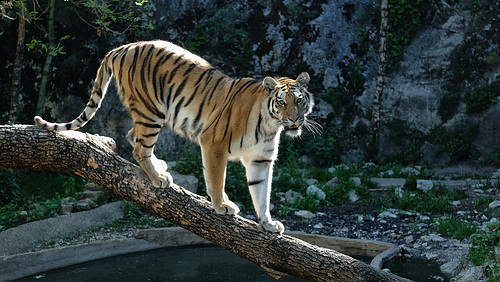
161	83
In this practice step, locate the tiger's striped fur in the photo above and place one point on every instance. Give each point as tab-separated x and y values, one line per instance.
236	119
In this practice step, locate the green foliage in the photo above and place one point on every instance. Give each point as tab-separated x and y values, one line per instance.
448	104
107	16
408	141
483	248
480	98
456	141
483	202
52	50
190	163
38	193
435	201
135	217
351	84
222	34
9	190
9	215
404	23
456	228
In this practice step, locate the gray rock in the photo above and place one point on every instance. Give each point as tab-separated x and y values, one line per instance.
291	196
409	239
67	205
305	214
86	204
311	181
451	268
425	185
432	237
332	182
187	181
353	197
356	180
92	195
27	236
387	214
313	190
495	204
471	274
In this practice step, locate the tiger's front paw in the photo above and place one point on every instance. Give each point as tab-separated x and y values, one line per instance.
273	226
227	207
163	180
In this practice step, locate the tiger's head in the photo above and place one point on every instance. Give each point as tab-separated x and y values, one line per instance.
290	103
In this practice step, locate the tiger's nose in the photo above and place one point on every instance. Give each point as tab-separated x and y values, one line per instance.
293	120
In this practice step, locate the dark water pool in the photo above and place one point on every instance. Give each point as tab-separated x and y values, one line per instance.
192	263
416	269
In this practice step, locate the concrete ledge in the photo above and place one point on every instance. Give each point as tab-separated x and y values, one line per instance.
26	264
26	237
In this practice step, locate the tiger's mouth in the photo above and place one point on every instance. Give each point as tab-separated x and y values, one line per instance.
292	127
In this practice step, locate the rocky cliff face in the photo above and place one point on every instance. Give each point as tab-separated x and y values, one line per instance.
426	94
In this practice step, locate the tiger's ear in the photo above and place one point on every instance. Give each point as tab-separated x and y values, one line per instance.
303	79
269	83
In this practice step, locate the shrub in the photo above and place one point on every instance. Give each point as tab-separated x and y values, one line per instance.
455	228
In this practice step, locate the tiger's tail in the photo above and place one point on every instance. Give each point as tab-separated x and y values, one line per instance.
103	77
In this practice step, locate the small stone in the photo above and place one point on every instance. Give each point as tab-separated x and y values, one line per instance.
353	197
409	239
318	226
386	214
67	205
291	196
356	180
451	268
23	217
305	214
430	256
425	185
89	194
456	203
399	192
332	182
86	204
311	181
392	236
495	204
436	238
313	190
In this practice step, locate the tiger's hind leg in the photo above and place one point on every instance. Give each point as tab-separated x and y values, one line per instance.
144	152
214	170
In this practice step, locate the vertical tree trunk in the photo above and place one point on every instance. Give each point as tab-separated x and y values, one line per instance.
15	97
384	14
42	93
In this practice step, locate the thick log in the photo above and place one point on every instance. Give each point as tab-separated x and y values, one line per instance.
25	147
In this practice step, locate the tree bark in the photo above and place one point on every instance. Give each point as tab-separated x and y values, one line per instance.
24	147
379	90
15	98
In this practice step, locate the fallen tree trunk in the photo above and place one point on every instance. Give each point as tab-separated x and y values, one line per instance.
25	147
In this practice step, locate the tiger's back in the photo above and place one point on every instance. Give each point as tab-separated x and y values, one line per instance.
161	83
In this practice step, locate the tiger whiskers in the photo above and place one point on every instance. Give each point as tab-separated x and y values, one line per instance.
313	126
